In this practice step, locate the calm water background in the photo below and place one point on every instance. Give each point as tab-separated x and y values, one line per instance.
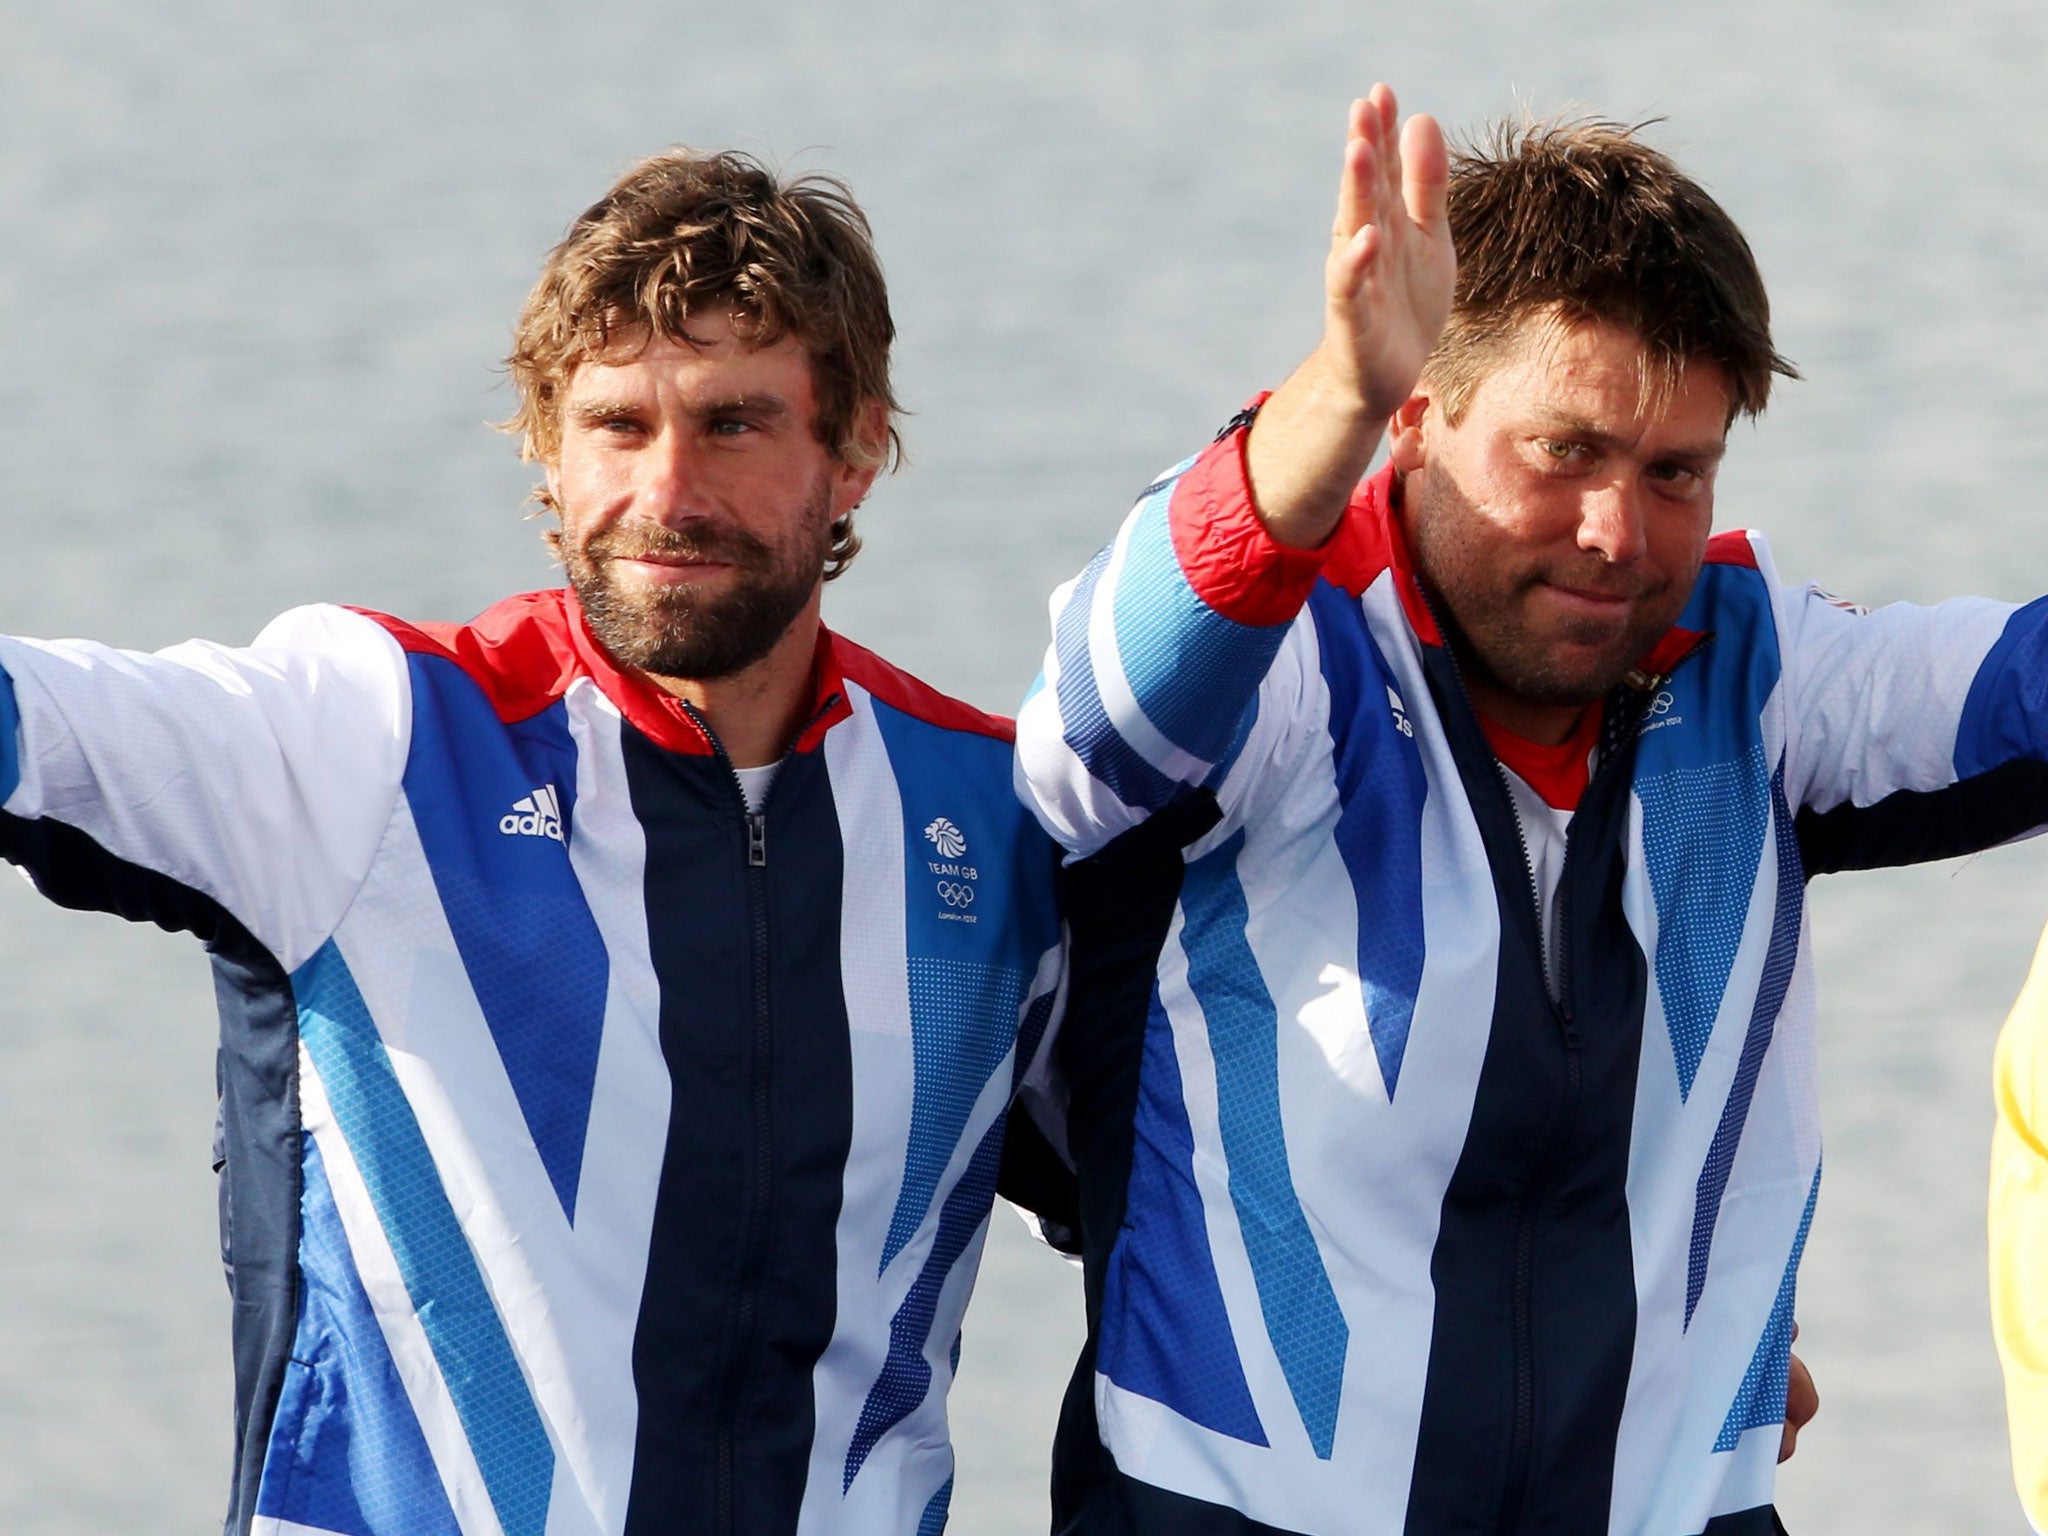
256	263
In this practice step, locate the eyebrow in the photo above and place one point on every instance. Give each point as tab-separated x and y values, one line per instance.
599	408
1553	422
758	407
761	407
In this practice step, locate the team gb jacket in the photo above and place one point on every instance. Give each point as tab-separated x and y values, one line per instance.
599	1157
1379	1237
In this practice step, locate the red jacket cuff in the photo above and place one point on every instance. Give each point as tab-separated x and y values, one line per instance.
1235	566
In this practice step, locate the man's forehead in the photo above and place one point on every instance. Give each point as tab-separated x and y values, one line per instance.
707	341
1600	377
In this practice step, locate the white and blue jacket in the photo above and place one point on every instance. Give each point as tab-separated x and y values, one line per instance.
601	1159
1380	1239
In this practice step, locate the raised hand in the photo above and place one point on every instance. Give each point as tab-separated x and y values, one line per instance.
1391	267
1387	290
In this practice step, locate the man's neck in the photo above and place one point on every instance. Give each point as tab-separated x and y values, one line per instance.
757	712
1547	725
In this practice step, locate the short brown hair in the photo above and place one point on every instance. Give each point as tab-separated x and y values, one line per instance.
1578	218
685	230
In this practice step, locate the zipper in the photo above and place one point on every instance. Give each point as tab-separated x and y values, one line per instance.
1521	1440
761	1140
1500	775
1542	1182
1625	707
1624	710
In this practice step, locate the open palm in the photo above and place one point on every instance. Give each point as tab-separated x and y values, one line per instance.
1391	268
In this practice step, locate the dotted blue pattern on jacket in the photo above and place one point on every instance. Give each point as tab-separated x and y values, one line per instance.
441	1276
1105	754
1166	1334
1760	1400
521	921
906	1376
1303	1320
1179	655
1381	790
346	1452
1763	1019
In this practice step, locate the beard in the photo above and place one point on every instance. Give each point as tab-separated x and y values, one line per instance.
1483	586
686	631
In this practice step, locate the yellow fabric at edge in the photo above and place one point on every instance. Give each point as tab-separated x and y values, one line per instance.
2019	1233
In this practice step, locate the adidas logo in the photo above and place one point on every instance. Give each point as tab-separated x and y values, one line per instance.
536	815
1401	721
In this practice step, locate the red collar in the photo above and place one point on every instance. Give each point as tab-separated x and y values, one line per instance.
527	651
664	719
1559	774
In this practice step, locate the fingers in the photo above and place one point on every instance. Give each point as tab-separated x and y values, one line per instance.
1381	99
1349	262
1802	1397
1389	275
1802	1402
1425	170
1357	159
1369	162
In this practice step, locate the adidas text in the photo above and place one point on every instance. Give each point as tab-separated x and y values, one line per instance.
536	815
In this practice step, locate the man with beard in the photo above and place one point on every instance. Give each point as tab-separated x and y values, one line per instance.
1439	1042
621	993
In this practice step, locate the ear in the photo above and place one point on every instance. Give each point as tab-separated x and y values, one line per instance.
851	481
1405	449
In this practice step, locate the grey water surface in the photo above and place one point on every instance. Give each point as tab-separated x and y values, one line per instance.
256	264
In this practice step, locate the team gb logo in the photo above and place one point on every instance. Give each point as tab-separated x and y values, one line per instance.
946	838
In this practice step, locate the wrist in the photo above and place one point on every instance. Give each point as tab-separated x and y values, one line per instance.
1336	387
1233	556
1311	445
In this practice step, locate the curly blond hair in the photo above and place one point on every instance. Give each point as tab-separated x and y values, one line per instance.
684	231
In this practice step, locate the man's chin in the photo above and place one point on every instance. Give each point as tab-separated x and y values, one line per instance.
689	632
1567	674
694	657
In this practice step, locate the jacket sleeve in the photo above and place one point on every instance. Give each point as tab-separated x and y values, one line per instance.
1913	732
260	779
1177	660
2019	1234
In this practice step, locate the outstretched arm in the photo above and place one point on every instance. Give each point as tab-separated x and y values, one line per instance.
1387	290
1169	667
253	783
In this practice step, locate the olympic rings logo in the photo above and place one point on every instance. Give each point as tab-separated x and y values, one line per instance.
954	894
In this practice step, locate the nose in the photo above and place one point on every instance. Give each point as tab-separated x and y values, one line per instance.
671	481
1611	523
